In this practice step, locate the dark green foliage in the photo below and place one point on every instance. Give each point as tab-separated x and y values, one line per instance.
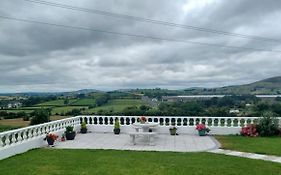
40	116
35	100
263	106
26	118
12	115
69	129
74	112
66	101
102	99
268	125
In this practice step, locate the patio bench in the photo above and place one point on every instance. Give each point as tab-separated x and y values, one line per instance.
150	136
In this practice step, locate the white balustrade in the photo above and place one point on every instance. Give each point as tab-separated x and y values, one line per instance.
185	124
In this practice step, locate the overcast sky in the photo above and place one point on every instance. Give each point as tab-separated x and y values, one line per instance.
37	57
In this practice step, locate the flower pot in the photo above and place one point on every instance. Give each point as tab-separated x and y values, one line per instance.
116	130
202	132
83	130
173	131
70	135
50	141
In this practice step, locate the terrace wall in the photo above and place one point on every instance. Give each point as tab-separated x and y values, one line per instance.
21	140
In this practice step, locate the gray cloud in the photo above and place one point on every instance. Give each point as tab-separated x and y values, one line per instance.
46	58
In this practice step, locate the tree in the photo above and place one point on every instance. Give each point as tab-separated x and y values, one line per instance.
268	124
40	116
66	101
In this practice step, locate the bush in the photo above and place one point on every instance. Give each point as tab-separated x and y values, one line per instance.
249	130
268	125
40	116
69	129
26	118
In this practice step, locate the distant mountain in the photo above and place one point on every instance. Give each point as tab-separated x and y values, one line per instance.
269	86
70	93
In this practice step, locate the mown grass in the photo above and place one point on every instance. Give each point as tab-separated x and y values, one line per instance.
89	162
260	145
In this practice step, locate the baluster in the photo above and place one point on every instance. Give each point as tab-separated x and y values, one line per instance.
213	122
28	134
31	132
188	121
252	121
13	139
239	122
1	141
24	135
4	139
219	122
20	136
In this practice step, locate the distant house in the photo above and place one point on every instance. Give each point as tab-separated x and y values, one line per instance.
236	111
154	100
248	105
14	105
189	97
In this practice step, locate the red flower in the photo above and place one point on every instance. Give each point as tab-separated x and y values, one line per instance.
143	119
51	136
249	130
200	127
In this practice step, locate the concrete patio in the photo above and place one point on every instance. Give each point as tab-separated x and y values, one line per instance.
163	142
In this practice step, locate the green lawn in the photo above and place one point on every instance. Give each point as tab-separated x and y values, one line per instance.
89	162
260	145
117	105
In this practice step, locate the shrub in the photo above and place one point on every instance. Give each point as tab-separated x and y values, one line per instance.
69	129
26	118
268	125
249	130
40	116
117	124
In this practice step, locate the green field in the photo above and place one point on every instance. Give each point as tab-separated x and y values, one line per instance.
59	102
88	162
84	102
260	145
117	105
64	109
7	127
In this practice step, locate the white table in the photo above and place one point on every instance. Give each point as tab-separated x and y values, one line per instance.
145	126
145	131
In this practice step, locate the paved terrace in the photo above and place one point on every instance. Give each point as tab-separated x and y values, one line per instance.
163	142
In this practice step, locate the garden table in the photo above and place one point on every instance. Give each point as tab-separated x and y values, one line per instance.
145	126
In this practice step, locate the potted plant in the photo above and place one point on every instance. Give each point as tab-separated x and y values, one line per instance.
142	119
173	130
116	126
69	133
51	138
83	129
202	129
